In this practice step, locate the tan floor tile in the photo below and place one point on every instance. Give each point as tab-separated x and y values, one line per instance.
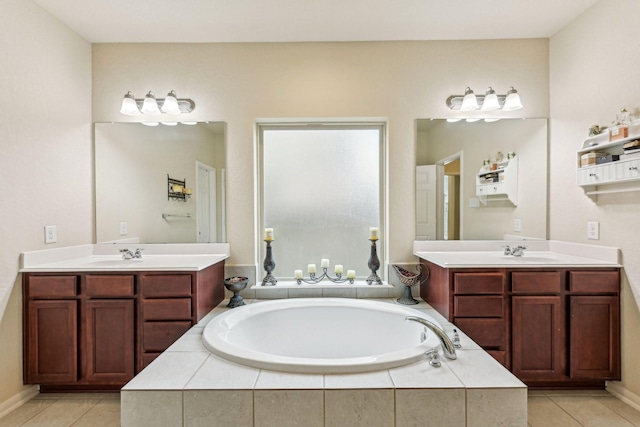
25	412
62	413
578	393
619	407
106	413
542	412
590	412
85	396
50	396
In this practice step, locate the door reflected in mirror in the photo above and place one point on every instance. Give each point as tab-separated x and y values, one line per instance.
161	184
452	161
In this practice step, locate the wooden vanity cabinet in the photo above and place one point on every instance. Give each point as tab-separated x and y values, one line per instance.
551	327
480	311
95	331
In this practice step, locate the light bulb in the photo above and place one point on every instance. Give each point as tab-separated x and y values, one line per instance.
129	106
469	102
150	105
490	101
512	102
170	104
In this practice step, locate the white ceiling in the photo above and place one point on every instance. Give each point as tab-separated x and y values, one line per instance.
193	21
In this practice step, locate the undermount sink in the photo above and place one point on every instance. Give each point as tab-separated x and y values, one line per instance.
530	259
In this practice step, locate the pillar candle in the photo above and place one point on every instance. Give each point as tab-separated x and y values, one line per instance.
297	274
311	269
373	233
339	269
324	263
351	274
268	234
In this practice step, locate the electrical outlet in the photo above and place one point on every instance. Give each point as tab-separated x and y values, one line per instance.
517	225
124	228
50	234
593	230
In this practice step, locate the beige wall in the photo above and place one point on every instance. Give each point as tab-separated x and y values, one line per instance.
594	65
239	83
45	165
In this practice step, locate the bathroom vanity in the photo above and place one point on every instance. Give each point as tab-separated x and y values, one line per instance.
551	317
92	322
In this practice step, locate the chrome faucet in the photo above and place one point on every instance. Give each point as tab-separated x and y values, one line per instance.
448	348
517	251
127	254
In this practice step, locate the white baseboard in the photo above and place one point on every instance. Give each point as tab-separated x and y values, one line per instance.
18	400
628	397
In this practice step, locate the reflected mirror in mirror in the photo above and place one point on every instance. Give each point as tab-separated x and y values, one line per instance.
132	165
450	158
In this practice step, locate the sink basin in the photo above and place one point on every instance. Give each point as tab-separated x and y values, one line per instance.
530	259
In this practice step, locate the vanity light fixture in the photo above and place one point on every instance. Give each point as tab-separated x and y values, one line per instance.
149	105
488	102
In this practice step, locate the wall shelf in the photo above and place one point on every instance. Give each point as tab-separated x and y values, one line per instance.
626	169
500	184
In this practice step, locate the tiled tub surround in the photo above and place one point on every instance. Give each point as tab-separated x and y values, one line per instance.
188	386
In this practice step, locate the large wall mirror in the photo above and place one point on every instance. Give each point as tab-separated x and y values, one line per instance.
161	184
449	157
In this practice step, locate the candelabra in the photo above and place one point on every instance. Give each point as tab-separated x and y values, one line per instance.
313	279
374	264
269	265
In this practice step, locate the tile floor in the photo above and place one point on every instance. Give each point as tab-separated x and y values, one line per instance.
546	409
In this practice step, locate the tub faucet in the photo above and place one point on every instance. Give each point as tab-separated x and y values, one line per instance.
127	254
517	251
448	348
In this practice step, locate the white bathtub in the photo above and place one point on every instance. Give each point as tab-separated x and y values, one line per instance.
319	335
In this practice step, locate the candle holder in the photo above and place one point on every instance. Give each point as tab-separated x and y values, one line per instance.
269	265
374	264
312	280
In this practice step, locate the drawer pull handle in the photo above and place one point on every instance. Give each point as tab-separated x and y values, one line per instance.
593	175
633	168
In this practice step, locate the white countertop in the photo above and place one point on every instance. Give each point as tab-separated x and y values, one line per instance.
155	257
490	254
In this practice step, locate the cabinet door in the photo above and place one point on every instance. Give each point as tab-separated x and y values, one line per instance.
537	337
52	342
595	337
109	340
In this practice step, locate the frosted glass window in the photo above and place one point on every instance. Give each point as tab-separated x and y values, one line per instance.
321	192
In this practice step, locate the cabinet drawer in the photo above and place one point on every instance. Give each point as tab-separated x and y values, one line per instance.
109	286
158	336
500	356
594	281
52	286
166	309
485	332
537	282
478	283
477	306
165	285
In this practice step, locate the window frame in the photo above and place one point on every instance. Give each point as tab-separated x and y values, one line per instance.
319	124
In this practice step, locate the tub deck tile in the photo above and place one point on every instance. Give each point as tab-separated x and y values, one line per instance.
287	380
219	374
376	379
